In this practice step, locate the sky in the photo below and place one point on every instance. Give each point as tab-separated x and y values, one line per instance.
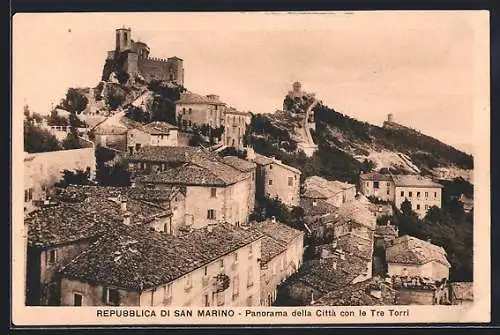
421	67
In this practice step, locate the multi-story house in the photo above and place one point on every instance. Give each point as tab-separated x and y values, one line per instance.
215	191
409	256
80	215
214	266
235	126
354	218
275	179
194	109
331	191
248	168
282	253
423	193
380	186
152	134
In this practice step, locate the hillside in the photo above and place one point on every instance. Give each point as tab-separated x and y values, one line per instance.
346	143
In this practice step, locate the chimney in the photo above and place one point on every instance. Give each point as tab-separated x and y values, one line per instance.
334	265
210	227
315	203
124	204
250	153
273	219
429	240
126	219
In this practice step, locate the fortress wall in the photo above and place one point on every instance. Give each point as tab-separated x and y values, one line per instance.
154	68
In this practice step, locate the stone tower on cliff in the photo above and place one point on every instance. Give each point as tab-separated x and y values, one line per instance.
136	60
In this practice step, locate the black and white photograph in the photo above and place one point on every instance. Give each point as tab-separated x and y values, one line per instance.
267	167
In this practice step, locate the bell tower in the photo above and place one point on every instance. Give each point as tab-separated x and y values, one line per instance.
123	39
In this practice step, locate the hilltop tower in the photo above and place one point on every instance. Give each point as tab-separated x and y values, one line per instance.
123	39
297	87
390	117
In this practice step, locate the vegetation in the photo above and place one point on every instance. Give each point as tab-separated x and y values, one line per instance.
57	120
116	65
114	174
230	151
39	140
162	107
75	101
449	227
115	96
138	115
272	207
77	177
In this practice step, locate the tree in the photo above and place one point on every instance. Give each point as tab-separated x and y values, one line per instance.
115	96
77	177
406	208
71	141
434	215
56	120
39	140
137	114
75	102
367	166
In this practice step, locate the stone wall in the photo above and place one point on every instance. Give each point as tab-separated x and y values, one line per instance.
277	183
415	297
92	295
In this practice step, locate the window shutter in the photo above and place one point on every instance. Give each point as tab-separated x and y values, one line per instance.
104	295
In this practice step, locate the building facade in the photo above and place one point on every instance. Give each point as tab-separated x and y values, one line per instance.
152	134
410	256
275	179
331	191
228	277
194	109
282	254
236	124
377	185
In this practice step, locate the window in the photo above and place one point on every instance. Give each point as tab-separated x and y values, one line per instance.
435	194
211	214
253	176
426	207
235	258
388	184
418	206
236	287
167	293
125	37
250	278
221	264
426	194
206	303
388	191
111	296
410	194
375	184
51	256
205	271
250	252
137	146
290	181
213	192
402	193
418	194
77	299
270	181
367	183
270	167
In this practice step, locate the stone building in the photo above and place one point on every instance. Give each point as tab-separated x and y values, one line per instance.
331	191
354	218
319	217
214	266
275	179
235	126
282	252
249	168
136	60
195	109
155	133
215	191
422	192
380	186
410	256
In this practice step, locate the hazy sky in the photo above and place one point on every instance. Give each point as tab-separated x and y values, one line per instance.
418	66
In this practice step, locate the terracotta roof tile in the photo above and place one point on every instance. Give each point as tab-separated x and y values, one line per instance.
411	250
238	163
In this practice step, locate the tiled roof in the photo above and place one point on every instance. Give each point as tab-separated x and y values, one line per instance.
206	172
321	207
357	212
278	237
60	224
356	245
262	160
359	294
131	257
411	250
325	277
158	128
375	176
167	154
317	187
415	181
238	163
194	98
153	194
106	202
